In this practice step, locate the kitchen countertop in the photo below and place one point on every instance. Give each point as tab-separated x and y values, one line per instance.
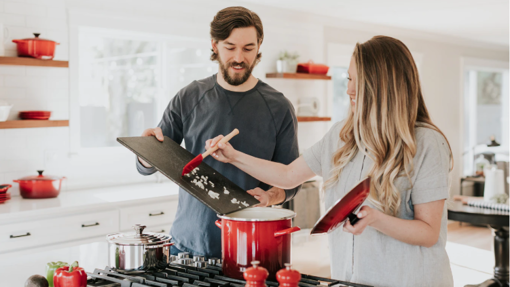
19	209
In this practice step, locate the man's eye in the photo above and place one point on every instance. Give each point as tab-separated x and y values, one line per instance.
248	50
230	49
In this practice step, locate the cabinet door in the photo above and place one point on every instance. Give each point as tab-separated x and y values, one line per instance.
162	213
34	233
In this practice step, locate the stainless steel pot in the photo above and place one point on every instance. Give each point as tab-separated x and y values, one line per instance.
138	251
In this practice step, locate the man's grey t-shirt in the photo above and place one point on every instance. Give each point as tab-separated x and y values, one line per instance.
373	257
203	110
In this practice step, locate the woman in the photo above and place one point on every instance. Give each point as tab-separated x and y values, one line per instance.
388	135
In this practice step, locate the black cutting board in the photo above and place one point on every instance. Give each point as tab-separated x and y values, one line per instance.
169	158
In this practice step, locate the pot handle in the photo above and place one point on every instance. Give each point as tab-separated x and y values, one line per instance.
218	223
168	244
286	231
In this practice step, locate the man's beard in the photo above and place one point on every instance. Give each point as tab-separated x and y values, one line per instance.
237	79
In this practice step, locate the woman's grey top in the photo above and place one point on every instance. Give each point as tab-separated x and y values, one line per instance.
373	257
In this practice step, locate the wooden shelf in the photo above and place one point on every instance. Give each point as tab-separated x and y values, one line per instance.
313	119
21	124
297	76
21	61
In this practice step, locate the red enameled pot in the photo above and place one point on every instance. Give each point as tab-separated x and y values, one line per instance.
36	47
258	233
39	186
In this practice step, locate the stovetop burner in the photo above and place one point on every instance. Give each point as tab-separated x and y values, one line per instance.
179	275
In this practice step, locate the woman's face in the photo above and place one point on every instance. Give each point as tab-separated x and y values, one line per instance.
351	84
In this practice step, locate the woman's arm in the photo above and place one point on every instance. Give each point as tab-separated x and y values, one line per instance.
423	230
272	173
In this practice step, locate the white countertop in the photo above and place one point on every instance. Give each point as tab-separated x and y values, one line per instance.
18	208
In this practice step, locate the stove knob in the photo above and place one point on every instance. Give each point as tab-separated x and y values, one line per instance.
198	258
200	264
173	258
182	255
185	261
212	261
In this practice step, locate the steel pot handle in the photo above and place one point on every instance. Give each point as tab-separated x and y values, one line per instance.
286	231
218	223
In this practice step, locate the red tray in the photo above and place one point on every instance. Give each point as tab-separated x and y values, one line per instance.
343	208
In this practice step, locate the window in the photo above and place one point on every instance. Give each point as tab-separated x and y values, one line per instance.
126	81
485	112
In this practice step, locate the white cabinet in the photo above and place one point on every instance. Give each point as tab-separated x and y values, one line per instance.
34	233
150	215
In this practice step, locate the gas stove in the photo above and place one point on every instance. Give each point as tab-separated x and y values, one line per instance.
193	274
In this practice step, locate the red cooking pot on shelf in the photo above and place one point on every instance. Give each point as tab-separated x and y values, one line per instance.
36	47
257	233
39	186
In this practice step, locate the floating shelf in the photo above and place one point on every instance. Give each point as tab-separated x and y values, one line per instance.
313	119
21	61
21	124
298	76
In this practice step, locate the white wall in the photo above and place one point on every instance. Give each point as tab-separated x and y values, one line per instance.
22	151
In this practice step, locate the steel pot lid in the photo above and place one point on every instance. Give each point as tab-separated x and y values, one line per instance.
260	214
40	177
139	238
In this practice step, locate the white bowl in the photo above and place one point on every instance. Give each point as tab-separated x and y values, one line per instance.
4	112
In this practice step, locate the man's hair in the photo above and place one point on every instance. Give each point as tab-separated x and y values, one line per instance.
230	18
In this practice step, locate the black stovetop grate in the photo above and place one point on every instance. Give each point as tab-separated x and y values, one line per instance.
177	275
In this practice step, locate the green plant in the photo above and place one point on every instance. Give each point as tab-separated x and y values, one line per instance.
285	55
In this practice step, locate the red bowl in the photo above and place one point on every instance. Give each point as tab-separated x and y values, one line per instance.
4	187
35	115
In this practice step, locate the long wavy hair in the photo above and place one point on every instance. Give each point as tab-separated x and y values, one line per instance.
389	106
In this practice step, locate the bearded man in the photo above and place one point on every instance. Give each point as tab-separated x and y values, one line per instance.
232	98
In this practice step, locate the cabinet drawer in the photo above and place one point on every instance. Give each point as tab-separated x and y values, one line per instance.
162	213
34	233
165	228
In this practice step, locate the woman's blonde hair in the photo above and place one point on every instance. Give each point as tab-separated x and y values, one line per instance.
389	106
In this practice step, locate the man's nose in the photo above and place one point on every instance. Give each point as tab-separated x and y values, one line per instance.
238	56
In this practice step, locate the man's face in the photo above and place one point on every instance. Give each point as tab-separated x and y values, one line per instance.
237	55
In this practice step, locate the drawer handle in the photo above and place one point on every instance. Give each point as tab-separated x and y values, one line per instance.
23	235
90	225
156	214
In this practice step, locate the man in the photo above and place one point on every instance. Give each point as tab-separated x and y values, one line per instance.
232	98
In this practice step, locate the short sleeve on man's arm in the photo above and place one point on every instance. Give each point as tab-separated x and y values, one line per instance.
287	149
431	168
171	126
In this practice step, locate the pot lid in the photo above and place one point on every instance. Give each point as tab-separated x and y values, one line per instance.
138	237
41	177
260	214
37	38
338	213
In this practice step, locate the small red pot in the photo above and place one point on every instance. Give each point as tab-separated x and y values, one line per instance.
36	47
39	186
256	234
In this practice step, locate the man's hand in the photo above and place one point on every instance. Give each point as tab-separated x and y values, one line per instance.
267	198
151	132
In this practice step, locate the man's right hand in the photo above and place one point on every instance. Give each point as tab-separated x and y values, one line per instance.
151	132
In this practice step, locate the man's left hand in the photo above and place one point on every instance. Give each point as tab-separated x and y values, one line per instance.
267	198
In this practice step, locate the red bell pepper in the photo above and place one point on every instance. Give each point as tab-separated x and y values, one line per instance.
70	276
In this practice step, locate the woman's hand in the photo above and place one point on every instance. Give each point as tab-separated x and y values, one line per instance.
367	216
225	153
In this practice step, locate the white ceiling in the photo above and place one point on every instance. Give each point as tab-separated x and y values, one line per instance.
479	20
